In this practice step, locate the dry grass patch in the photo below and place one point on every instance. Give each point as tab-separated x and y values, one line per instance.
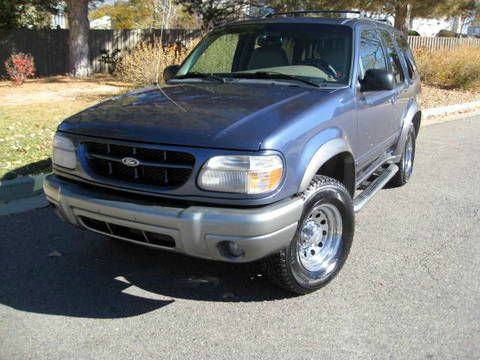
457	68
144	65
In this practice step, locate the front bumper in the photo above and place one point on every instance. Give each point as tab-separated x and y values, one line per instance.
201	231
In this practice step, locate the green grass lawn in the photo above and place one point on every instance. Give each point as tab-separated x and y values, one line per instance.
26	133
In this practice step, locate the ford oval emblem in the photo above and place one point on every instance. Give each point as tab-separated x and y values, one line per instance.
131	162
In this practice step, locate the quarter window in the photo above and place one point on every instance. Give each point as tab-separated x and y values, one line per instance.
371	52
407	52
393	57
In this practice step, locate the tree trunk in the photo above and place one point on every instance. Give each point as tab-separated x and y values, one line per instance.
409	19
79	27
458	24
401	15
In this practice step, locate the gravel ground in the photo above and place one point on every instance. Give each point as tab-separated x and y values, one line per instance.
60	89
433	97
410	289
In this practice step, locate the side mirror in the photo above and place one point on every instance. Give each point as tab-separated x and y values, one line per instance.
377	80
170	72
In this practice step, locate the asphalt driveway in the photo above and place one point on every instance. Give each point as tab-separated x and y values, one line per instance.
410	289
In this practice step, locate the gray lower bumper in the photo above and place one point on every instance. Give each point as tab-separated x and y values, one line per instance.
197	230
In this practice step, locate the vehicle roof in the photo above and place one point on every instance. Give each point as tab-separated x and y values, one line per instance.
350	22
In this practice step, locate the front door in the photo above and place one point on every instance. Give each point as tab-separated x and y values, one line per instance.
374	108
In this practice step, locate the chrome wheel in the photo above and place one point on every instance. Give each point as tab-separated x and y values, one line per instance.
407	161
320	239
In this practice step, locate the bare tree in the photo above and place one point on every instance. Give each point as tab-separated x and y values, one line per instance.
214	11
162	13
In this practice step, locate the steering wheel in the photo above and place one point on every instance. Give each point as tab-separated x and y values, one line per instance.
322	65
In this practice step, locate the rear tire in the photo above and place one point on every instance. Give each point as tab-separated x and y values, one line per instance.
322	241
407	160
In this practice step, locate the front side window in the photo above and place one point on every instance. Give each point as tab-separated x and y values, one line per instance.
393	57
318	53
371	52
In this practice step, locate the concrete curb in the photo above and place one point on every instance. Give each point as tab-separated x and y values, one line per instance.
450	109
21	188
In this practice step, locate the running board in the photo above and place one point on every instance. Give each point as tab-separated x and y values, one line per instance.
376	185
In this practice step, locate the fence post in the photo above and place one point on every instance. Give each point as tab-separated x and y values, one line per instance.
438	43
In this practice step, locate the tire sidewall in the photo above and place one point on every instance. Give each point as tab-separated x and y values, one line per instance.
339	197
411	135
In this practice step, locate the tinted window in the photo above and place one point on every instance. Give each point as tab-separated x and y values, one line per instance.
393	58
371	52
408	54
402	43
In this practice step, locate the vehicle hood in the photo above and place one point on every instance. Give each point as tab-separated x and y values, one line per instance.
228	116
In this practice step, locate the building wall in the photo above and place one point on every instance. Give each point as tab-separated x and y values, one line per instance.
431	27
59	21
474	29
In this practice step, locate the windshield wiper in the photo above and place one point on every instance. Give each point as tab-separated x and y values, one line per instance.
272	75
199	75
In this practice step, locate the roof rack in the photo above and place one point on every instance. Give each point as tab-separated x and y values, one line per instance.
383	20
304	12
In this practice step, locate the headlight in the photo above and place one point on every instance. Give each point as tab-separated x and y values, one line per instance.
242	174
64	152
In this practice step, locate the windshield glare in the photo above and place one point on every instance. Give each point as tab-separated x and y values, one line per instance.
320	53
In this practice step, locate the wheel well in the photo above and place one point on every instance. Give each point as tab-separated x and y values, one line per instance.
342	168
417	119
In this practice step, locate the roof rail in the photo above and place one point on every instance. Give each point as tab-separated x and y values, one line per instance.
304	12
382	20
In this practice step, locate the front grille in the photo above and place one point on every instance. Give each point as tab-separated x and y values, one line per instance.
157	167
128	233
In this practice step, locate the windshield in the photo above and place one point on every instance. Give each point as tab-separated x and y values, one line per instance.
315	53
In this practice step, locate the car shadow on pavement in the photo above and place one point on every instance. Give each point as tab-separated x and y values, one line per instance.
49	267
34	168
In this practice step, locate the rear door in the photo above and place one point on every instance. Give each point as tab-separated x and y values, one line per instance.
412	76
410	65
374	108
401	83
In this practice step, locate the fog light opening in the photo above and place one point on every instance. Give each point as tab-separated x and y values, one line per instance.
234	249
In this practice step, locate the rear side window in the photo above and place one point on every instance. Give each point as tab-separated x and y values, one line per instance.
408	54
393	58
371	52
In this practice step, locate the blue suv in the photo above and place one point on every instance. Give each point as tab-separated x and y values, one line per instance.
262	145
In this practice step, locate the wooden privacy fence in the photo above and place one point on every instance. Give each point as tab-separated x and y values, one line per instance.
438	43
50	47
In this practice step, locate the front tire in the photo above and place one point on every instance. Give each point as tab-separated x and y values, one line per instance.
322	241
